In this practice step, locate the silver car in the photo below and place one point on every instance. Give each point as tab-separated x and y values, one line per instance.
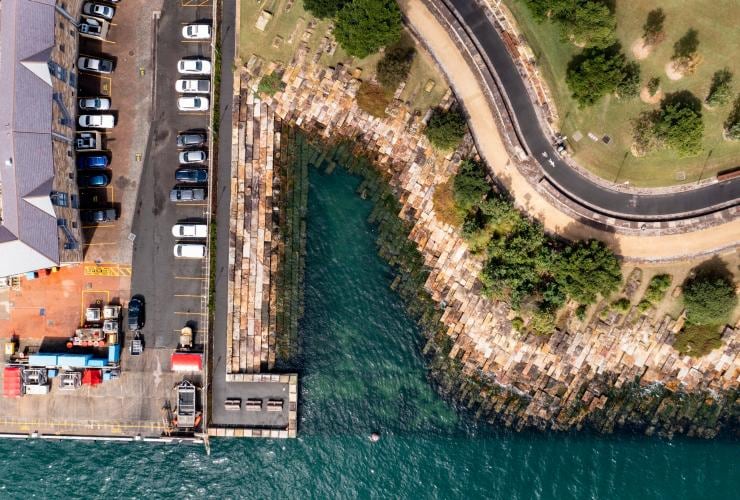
196	156
95	103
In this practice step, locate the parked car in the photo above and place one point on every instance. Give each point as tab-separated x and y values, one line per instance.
194	156
189	230
95	103
92	161
192	104
136	312
181	193
196	66
136	346
191	175
196	32
190	250
95	65
98	9
96	121
93	28
93	180
193	86
190	139
98	216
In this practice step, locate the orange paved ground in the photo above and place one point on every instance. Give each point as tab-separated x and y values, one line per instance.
63	295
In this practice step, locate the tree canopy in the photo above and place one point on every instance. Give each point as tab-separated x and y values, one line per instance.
679	126
589	24
732	124
586	269
446	129
395	65
720	91
469	185
324	8
709	298
595	73
363	26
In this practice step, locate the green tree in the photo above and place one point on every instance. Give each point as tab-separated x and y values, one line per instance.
445	129
732	124
652	30
586	269
720	91
363	26
653	85
590	24
324	8
709	298
593	74
543	322
470	185
395	65
657	287
679	125
629	86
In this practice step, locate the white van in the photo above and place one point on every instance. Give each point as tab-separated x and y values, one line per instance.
190	250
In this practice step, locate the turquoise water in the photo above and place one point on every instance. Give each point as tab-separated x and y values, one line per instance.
363	372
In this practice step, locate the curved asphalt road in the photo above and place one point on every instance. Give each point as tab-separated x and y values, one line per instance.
706	199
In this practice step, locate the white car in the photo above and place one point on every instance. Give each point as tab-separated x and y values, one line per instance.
196	156
95	65
190	250
95	103
96	121
196	66
190	230
98	9
193	86
196	32
192	103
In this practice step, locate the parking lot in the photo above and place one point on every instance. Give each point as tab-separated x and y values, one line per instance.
174	288
129	44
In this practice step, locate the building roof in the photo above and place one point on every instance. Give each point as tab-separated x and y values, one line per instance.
28	227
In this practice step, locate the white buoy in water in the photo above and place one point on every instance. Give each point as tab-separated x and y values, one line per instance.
374	437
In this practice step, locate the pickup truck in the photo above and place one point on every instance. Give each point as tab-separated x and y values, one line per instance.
193	86
88	141
93	28
96	121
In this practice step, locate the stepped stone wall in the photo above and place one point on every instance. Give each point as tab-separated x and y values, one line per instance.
557	382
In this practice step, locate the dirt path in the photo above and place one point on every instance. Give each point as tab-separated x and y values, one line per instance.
491	148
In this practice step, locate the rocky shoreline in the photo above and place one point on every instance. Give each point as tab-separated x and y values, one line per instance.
615	371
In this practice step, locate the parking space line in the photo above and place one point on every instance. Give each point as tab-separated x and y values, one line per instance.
99	244
191	204
99	226
190	277
186	295
190	313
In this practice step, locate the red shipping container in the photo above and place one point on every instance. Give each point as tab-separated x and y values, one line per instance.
12	382
92	377
186	362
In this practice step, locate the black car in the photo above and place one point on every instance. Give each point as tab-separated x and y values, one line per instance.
136	313
97	216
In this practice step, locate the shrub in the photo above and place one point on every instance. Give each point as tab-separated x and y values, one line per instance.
622	305
372	98
657	288
732	124
652	30
324	8
644	305
517	323
687	46
446	129
470	185
720	91
363	26
593	74
643	132
270	84
696	341
709	298
581	311
653	85
444	203
586	269
679	124
542	322
395	65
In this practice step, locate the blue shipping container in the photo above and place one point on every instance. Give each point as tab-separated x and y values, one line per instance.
114	353
106	376
74	360
96	363
52	373
42	360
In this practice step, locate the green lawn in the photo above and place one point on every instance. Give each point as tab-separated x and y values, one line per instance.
719	38
295	22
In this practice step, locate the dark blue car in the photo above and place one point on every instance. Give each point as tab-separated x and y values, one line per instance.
94	180
191	175
92	161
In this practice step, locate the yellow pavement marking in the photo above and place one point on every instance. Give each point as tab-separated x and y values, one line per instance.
98	226
107	83
109	270
189	313
99	244
186	295
108	41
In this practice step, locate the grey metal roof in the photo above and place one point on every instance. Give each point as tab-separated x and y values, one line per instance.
26	160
